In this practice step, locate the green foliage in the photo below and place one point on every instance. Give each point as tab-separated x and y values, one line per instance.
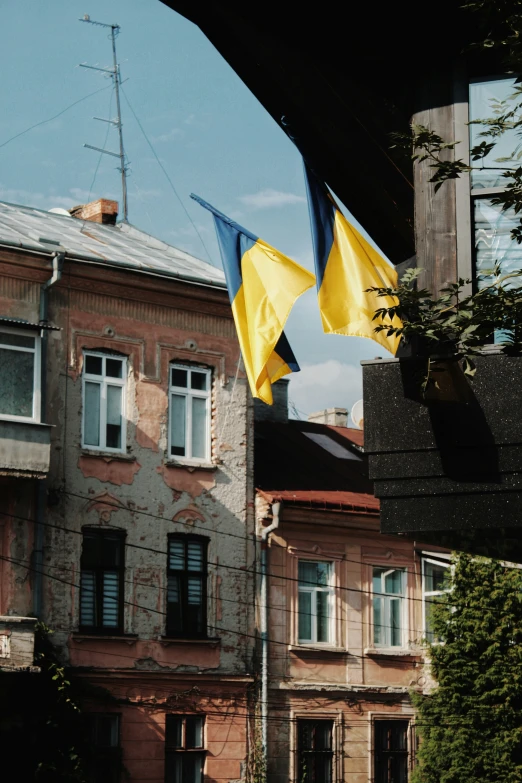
454	323
470	725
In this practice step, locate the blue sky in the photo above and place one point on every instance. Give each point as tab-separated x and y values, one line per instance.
211	134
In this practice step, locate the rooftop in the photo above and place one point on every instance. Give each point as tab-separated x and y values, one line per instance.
121	245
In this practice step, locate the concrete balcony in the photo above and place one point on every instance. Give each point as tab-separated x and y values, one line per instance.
17	644
25	448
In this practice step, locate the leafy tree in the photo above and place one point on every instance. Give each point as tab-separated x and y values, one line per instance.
470	724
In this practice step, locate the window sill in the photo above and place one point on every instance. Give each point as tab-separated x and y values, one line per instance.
190	464
85	636
115	455
315	648
393	652
32	422
167	641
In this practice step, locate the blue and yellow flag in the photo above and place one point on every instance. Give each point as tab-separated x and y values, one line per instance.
346	265
263	285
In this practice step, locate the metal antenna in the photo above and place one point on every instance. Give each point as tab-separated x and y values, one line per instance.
115	75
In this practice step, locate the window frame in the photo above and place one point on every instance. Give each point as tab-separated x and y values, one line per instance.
184	574
103	754
383	596
103	381
172	751
383	718
36	416
431	593
313	590
189	394
98	628
314	753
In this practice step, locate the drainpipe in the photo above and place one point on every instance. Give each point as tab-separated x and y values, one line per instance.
264	627
41	498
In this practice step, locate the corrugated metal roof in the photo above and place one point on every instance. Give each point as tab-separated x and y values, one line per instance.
23	324
122	245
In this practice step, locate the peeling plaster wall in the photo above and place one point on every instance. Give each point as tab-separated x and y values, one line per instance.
141	493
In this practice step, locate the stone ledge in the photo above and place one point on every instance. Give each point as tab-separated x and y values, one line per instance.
108	455
393	652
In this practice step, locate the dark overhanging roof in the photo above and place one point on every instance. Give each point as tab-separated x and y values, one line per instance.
338	79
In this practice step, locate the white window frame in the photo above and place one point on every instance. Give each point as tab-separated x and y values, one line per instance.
189	394
37	407
445	563
103	381
386	612
312	589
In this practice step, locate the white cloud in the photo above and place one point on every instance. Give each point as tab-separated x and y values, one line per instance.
270	198
170	135
330	384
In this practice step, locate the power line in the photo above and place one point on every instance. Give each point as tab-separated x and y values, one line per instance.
169	180
54	117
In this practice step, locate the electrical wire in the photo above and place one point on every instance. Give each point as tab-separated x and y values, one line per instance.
54	117
169	180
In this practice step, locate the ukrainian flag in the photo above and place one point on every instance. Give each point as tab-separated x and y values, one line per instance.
346	265
263	285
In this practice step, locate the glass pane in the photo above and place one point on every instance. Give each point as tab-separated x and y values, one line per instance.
111	591
20	340
87	598
173	729
493	243
111	549
395	622
194	556
198	380
199	428
91	414
114	394
322	618
179	378
16	383
114	368
93	365
434	576
194	591
305	616
311	573
107	734
176	554
193	732
393	581
323	736
173	589
482	99
377	580
177	425
192	768
378	630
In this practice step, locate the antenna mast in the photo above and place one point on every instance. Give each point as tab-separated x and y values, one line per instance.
114	73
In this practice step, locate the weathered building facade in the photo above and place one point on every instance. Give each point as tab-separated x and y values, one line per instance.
348	609
126	512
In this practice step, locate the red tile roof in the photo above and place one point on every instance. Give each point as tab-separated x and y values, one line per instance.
351	434
330	500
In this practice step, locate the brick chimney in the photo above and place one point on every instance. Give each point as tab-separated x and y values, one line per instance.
338	417
101	211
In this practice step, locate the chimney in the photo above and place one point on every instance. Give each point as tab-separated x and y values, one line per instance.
101	211
278	411
338	417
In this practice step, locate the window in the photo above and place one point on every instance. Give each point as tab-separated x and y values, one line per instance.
388	609
104	379
19	375
189	431
390	751
315	602
101	581
184	753
315	751
104	755
187	586
434	574
493	243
